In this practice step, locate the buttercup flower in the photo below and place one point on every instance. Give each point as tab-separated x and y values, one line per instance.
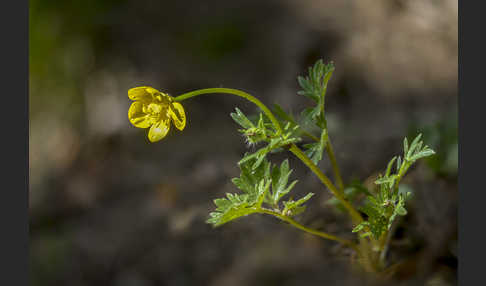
156	110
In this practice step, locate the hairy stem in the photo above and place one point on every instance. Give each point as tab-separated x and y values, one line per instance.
332	158
355	215
385	243
335	167
310	230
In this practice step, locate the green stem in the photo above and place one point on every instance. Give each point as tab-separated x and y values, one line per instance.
332	158
335	167
385	243
403	169
355	215
309	135
310	230
240	93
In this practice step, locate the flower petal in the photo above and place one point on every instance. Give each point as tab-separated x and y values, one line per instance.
142	93
158	130
137	117
152	90
178	115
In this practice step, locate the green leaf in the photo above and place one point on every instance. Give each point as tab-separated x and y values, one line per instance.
416	151
273	144
280	113
250	177
229	208
314	86
255	184
377	219
360	226
222	204
280	178
401	210
422	154
241	184
389	167
263	189
383	207
399	163
398	210
385	180
315	150
413	146
293	208
260	157
241	119
248	157
265	184
405	145
366	234
262	130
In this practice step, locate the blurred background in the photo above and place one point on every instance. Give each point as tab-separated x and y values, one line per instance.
109	208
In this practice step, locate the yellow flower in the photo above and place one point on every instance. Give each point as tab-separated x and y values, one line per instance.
156	110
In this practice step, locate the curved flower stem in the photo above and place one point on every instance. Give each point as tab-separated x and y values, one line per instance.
310	230
240	93
355	215
269	114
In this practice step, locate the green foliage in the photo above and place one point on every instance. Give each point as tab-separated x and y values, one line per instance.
284	116
416	150
314	150
264	132
257	175
254	132
241	119
314	86
260	182
280	178
263	185
295	207
233	207
383	207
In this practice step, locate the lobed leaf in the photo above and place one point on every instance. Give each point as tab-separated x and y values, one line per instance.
241	119
315	150
293	208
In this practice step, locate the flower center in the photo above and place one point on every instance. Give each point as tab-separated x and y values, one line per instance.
154	108
157	111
